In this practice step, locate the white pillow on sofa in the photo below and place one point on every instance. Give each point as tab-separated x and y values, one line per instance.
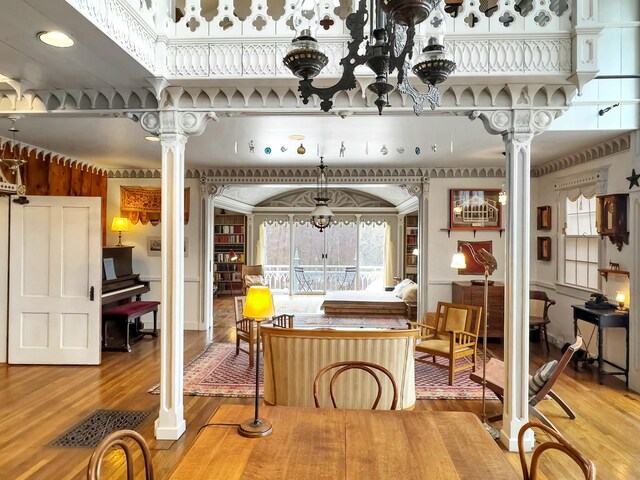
252	280
410	293
399	289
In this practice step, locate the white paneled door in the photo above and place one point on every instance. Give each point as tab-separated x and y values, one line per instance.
55	281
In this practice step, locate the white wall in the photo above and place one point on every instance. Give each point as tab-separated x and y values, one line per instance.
544	274
440	247
148	267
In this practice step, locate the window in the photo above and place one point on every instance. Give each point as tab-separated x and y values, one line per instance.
581	243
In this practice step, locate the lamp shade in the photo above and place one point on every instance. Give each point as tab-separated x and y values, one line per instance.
120	224
259	303
458	260
415	252
233	256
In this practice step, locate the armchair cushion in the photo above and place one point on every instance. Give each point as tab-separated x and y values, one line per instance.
251	280
537	381
397	291
410	293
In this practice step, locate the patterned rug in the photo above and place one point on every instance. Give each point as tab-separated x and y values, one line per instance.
90	431
218	372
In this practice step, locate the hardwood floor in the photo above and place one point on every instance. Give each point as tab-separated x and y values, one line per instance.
38	403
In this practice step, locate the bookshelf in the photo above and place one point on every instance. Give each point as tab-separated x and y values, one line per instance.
229	236
411	243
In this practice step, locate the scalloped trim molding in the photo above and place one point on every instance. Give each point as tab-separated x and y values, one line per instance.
601	150
308	175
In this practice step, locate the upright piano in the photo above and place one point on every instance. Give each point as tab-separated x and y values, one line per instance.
124	287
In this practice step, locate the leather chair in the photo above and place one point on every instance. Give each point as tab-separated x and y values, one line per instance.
560	444
118	439
245	330
451	333
539	304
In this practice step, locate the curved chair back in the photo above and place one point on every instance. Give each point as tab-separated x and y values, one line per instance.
561	444
350	365
119	439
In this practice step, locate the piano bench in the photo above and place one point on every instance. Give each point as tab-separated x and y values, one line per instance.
129	313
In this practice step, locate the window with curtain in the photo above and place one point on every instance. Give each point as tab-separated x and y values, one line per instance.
581	242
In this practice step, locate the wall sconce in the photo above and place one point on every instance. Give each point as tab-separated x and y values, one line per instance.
502	196
457	209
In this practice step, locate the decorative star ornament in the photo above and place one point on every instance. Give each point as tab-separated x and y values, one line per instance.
634	179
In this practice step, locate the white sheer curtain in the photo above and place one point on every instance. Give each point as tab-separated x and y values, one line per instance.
389	255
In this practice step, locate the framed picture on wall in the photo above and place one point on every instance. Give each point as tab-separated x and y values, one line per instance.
475	210
154	246
544	218
544	248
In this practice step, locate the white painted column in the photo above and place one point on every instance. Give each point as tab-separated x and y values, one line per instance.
292	249
634	284
250	239
173	128
358	283
206	267
517	128
400	253
516	329
170	424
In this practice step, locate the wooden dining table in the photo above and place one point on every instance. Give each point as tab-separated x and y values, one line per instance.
335	444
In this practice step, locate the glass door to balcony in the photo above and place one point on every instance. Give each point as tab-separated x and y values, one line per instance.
308	258
341	241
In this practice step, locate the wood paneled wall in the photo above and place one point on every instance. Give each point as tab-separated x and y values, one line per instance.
56	175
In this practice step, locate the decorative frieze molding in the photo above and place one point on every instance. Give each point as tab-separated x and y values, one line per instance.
603	149
339	198
308	176
129	23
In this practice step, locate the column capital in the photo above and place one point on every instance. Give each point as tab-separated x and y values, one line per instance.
418	189
518	124
211	189
173	122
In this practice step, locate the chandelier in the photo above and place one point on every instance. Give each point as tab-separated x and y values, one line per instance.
12	160
321	215
388	48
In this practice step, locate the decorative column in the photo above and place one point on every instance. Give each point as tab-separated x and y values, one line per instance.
634	284
517	128
208	191
421	191
400	251
173	128
250	240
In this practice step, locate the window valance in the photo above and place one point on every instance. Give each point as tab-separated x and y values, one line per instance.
142	204
589	184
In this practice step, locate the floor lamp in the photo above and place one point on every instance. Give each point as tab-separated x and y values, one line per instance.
258	305
488	261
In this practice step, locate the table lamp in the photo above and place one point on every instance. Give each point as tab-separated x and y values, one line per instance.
258	305
488	261
415	252
120	224
620	298
233	256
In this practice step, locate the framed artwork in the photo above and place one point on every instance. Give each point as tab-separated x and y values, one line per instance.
544	218
470	250
544	248
154	246
475	210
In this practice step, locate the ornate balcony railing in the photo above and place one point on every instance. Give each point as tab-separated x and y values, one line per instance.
486	38
278	278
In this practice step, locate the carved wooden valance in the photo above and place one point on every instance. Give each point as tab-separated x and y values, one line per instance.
142	204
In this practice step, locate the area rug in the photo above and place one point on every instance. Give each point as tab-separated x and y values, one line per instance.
218	372
90	431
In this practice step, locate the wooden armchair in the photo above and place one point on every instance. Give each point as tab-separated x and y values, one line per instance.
118	439
245	330
539	304
495	383
560	444
451	333
367	367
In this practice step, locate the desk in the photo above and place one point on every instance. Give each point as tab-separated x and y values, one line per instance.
345	444
604	318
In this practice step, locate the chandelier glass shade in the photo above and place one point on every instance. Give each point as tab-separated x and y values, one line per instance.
388	48
321	215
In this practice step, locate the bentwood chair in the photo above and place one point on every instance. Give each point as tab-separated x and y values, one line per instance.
119	439
539	304
283	321
560	444
451	333
245	330
345	366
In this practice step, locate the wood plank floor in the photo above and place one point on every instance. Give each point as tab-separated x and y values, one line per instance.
38	403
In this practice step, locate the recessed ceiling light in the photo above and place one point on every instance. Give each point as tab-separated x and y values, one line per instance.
152	138
56	38
296	137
